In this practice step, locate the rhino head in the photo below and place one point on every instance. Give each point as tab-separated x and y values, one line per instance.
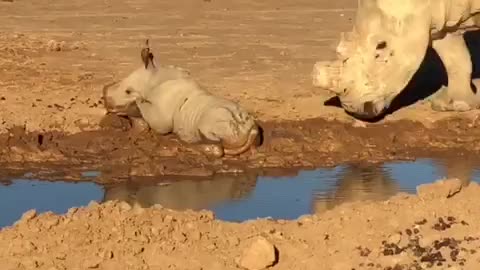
378	58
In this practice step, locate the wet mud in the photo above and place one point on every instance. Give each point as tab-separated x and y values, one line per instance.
119	152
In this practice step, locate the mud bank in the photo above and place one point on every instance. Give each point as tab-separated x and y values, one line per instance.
119	153
405	232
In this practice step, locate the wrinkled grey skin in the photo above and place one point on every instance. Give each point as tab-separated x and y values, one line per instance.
389	40
169	100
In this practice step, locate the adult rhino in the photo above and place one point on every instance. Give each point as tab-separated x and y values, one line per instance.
389	40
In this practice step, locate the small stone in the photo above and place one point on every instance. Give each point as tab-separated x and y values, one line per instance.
261	254
168	219
395	238
425	241
56	46
212	246
359	124
124	206
93	204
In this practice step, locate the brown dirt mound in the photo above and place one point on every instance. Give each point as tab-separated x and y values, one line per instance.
405	232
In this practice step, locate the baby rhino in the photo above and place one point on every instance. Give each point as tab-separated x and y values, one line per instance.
169	100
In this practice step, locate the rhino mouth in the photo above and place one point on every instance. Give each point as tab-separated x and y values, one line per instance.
131	110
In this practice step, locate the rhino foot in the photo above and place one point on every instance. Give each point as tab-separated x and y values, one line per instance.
443	102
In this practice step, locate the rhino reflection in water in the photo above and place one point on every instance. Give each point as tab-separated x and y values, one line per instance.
358	183
184	194
375	183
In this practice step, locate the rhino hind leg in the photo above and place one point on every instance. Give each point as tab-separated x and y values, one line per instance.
460	94
250	143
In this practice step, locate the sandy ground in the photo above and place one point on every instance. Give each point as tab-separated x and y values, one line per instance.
405	232
57	55
259	54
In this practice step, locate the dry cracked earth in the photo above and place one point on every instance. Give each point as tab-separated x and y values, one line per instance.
57	55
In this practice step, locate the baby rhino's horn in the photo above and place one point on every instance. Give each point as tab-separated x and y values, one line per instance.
326	75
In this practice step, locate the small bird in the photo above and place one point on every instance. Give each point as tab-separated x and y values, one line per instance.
147	56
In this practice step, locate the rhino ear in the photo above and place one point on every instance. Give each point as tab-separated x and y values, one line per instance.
147	56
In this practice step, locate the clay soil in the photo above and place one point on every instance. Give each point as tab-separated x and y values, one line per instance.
57	55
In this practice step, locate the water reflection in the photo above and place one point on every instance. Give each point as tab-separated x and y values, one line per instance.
357	182
239	197
360	182
185	194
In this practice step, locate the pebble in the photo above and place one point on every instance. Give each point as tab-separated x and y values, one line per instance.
54	45
168	219
124	206
259	255
395	238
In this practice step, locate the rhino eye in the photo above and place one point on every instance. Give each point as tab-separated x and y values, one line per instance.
381	45
128	91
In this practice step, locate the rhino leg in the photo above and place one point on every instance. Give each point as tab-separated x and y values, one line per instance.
232	127
458	96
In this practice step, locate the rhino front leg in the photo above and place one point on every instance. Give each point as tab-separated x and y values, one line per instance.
458	95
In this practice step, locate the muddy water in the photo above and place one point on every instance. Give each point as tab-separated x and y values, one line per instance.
239	197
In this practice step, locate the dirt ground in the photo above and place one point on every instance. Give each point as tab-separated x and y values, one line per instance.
57	55
258	54
405	232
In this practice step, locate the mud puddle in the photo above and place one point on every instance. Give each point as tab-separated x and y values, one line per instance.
237	197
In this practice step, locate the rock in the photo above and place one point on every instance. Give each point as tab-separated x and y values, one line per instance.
359	124
445	188
261	254
124	206
54	45
395	238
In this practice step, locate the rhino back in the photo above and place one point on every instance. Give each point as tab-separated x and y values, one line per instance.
454	14
188	115
166	73
164	101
